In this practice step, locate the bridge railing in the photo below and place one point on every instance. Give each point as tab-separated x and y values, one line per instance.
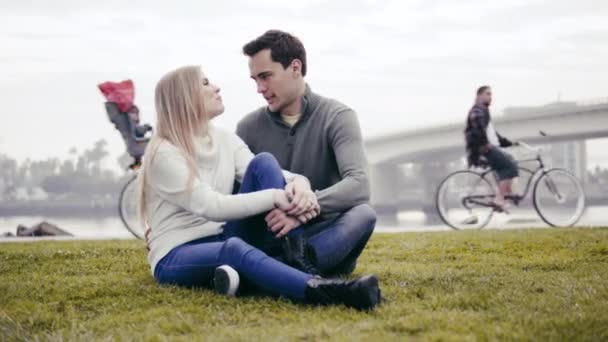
568	107
593	102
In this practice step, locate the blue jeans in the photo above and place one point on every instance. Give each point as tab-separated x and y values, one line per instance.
337	243
193	264
263	173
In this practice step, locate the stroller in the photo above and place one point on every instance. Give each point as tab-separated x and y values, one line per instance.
124	114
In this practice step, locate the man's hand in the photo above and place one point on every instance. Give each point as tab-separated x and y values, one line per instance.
309	215
280	223
303	199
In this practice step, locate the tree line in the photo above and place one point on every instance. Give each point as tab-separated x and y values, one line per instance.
81	176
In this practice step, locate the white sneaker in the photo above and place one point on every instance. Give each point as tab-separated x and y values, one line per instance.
470	220
226	280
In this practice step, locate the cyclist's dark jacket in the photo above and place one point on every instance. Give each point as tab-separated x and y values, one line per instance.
475	133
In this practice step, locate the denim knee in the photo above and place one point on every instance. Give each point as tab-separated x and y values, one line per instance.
234	248
366	216
264	160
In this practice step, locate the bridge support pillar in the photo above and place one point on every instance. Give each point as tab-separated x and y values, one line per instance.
432	173
385	186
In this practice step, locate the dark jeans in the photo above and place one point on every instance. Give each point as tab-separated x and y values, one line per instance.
193	264
337	242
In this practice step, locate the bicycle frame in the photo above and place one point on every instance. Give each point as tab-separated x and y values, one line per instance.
486	200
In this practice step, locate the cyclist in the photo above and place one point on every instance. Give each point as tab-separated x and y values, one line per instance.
482	140
124	114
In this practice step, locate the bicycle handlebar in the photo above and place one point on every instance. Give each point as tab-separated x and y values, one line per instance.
532	148
528	147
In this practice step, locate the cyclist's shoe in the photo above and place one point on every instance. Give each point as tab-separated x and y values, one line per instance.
500	207
514	198
226	280
470	220
136	164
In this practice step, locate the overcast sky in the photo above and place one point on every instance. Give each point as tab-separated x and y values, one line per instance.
400	64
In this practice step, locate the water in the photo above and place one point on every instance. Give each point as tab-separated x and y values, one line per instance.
412	221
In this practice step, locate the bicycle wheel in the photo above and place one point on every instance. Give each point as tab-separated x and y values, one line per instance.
127	209
559	198
463	200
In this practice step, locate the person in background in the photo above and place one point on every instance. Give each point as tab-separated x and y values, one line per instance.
482	140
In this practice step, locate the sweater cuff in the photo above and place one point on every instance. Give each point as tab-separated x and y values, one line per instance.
261	201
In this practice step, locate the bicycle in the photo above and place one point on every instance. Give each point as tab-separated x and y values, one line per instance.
465	199
124	115
127	206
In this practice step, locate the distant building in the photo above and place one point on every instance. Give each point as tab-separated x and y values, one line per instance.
571	156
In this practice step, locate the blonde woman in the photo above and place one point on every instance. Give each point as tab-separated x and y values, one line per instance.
186	198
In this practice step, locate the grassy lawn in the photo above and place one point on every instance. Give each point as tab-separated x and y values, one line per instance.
541	284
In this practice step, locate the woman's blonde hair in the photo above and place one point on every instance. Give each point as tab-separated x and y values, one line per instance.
180	116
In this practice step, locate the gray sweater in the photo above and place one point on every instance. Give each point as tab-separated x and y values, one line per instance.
325	146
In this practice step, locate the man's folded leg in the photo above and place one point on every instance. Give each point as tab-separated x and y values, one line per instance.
334	247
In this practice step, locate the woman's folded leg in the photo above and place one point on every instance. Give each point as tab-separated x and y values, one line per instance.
193	265
264	273
263	172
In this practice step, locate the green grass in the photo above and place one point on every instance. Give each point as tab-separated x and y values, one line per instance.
542	284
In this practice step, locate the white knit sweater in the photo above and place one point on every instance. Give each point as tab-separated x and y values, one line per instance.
177	216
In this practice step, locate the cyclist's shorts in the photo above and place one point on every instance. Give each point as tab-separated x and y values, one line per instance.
503	163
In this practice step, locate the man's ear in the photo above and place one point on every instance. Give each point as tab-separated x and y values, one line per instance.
296	68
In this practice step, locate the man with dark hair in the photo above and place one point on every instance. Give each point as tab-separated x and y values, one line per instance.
316	137
483	140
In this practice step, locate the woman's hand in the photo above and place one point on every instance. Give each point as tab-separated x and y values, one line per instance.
281	200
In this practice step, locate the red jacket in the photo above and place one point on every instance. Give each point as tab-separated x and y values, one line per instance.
121	93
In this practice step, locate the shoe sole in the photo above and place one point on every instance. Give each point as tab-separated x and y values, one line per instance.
226	280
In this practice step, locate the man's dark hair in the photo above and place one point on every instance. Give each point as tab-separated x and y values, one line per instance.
284	48
482	89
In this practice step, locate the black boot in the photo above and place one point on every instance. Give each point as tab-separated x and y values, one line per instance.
299	254
362	293
343	270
